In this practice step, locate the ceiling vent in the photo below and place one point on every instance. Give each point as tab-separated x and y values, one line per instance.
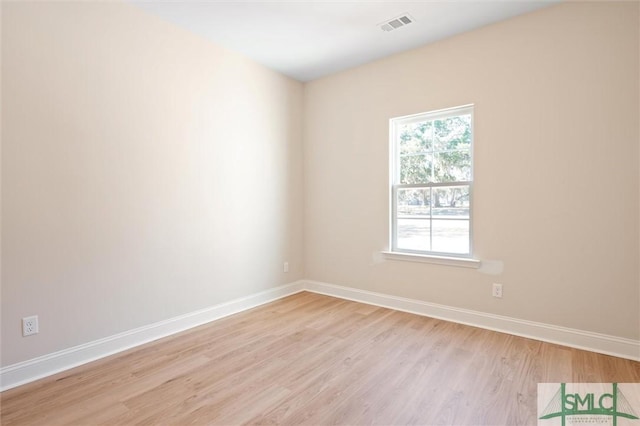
395	23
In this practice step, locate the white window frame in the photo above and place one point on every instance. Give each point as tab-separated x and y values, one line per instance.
454	259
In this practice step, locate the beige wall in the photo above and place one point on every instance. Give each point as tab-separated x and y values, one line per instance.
146	173
556	167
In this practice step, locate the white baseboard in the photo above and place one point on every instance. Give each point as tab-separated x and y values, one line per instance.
580	339
46	365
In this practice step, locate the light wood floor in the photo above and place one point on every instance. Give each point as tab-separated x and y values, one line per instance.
312	359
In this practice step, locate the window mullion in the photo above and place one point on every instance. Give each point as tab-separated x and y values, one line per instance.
432	185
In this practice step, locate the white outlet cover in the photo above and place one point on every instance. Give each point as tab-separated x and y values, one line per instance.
30	325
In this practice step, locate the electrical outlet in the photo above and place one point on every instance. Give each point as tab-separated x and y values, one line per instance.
497	290
285	267
30	325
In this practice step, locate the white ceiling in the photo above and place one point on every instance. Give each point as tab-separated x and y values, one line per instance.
309	39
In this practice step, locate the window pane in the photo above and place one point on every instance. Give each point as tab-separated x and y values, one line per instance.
413	212
450	202
415	137
413	234
414	202
452	133
415	168
451	236
452	166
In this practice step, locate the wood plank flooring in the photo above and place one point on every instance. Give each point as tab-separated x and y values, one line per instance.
313	359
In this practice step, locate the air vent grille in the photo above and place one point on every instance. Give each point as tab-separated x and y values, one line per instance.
395	23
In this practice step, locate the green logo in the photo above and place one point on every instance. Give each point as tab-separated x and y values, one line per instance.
613	404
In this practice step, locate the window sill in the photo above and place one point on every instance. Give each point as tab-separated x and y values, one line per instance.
461	262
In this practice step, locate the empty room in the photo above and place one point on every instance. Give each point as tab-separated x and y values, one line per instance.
320	212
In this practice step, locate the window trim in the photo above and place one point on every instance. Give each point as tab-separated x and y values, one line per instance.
459	259
463	262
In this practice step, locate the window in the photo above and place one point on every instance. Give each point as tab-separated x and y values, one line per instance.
431	182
